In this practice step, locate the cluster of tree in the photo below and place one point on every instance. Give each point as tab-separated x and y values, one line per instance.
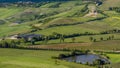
99	63
111	31
117	9
73	53
62	37
101	38
9	44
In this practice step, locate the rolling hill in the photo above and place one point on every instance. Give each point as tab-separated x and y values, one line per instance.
59	26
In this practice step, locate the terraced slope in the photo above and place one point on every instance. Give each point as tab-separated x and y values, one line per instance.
65	17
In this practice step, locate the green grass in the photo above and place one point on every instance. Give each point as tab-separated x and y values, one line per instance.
9	30
115	58
92	27
67	30
7	12
15	58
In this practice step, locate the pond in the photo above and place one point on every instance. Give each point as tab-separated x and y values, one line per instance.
89	58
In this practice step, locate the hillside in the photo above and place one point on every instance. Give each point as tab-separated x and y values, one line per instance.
41	33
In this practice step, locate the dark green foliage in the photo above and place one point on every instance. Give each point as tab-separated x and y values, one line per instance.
46	39
62	38
117	9
94	40
8	44
91	38
2	22
101	39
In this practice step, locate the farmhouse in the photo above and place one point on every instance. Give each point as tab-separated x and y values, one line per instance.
28	37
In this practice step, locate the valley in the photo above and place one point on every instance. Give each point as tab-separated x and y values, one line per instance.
37	32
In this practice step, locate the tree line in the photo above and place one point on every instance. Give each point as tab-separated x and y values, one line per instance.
9	43
117	9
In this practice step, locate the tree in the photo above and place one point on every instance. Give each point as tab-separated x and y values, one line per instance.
110	8
110	38
33	41
91	38
94	40
12	44
101	38
23	40
99	62
5	44
62	38
18	42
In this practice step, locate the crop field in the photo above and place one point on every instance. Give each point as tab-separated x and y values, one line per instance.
104	45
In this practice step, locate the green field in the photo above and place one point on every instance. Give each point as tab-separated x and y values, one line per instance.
115	60
15	58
